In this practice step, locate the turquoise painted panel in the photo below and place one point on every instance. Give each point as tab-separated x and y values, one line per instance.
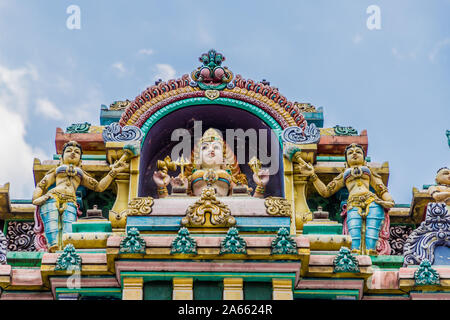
109	116
208	290
97	226
257	290
322	228
165	223
158	290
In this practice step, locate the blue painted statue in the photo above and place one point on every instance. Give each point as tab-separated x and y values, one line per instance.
57	207
365	209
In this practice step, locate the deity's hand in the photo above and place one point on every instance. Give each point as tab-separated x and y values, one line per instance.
262	177
306	169
161	178
179	182
387	204
39	201
119	166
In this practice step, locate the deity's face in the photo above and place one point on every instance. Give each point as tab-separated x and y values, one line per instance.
211	153
71	155
355	156
443	176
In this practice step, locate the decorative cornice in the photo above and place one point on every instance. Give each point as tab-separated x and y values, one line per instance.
69	259
3	248
345	261
132	243
284	243
233	243
141	206
345	131
277	206
310	135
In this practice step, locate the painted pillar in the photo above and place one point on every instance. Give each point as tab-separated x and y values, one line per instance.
133	289
282	289
289	191
233	289
183	289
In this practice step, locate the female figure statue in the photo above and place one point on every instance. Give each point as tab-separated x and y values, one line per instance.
57	207
211	162
365	213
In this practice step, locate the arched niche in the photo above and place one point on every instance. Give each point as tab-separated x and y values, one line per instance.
157	143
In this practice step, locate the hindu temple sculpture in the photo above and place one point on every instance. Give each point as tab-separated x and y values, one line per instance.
441	192
365	209
212	164
57	207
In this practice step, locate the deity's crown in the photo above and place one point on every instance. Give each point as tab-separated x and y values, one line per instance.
211	135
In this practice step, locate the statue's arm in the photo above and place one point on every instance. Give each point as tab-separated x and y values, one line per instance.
329	189
43	185
438	195
98	186
381	190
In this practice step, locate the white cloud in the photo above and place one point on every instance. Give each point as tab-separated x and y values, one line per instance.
119	67
16	156
432	55
146	51
48	109
397	54
164	72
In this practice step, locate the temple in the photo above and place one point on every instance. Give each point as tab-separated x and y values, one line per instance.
213	186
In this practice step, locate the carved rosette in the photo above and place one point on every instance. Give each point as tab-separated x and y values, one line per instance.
69	259
233	243
284	243
296	135
277	206
218	212
115	133
345	261
132	243
434	231
426	275
140	206
184	243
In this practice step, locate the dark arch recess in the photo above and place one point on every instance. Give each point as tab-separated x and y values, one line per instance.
157	144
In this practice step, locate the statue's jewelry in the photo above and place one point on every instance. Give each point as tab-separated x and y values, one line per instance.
313	177
260	189
112	174
162	191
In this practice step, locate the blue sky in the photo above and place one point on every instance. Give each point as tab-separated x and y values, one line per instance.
394	82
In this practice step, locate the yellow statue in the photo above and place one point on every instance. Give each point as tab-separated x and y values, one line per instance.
58	206
212	163
365	213
441	192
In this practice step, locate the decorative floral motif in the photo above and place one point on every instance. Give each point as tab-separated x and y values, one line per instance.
21	236
233	243
3	250
132	243
140	206
277	206
284	243
345	131
345	262
434	231
211	75
426	275
184	243
114	132
69	259
219	213
78	128
119	105
398	237
311	134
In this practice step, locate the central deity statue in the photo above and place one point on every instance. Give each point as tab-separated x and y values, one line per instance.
365	209
212	164
441	192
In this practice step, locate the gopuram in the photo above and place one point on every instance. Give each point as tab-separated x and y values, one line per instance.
213	186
